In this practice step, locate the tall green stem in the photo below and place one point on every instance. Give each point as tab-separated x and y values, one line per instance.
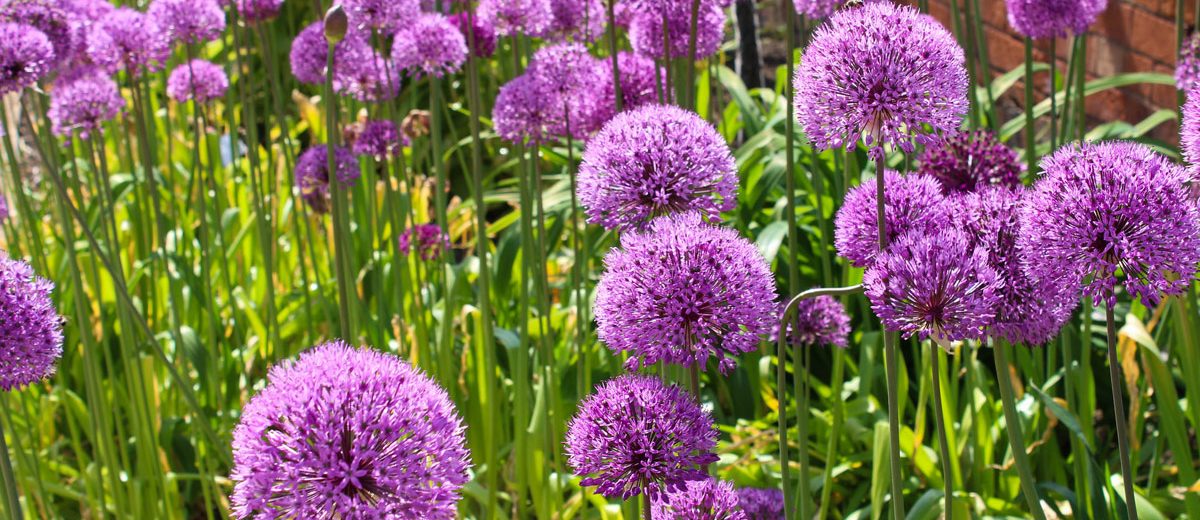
939	415
1030	135
11	495
891	366
1122	424
1016	437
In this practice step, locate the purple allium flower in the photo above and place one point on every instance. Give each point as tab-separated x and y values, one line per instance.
386	16
886	73
1187	66
25	56
527	17
361	72
431	45
310	51
935	285
81	101
1189	130
127	39
761	504
819	321
636	435
188	21
348	433
485	34
254	11
638	80
655	160
571	76
1111	208
526	110
197	80
378	139
684	291
46	16
30	328
1053	18
4	214
579	20
646	29
312	174
911	202
968	161
817	8
1027	311
704	499
82	14
428	241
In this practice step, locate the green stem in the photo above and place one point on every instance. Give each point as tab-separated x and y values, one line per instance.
1016	437
1053	95
339	251
11	495
1030	137
1122	424
612	52
890	362
939	416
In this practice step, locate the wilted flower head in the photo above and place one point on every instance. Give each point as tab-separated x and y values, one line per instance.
378	139
428	241
81	101
258	10
911	202
386	16
819	321
25	56
646	29
46	16
703	499
1027	310
197	80
1053	18
348	433
527	17
526	110
312	174
655	160
127	39
761	504
935	285
882	72
684	291
579	20
1187	66
431	45
30	328
484	43
1111	208
636	435
969	161
188	21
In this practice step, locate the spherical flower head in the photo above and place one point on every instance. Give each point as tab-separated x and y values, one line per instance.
761	504
46	16
348	433
254	11
819	321
484	38
25	56
911	202
427	241
579	20
646	30
655	160
636	435
817	9
362	73
1053	18
1189	131
526	17
431	45
639	84
882	72
968	161
385	16
571	76
684	291
378	139
309	54
81	101
4	211
933	284
1104	211
30	328
1187	66
1028	311
312	174
188	21
526	110
128	39
197	80
704	499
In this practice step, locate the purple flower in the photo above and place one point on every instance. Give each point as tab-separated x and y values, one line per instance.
1053	18
4	214
646	29
82	14
254	11
312	174
431	45
527	17
348	433
969	161
30	328
428	241
636	435
704	499
526	110
362	73
935	285
25	56
819	321
1027	311
197	80
1189	131
579	20
485	34
639	85
81	101
817	8
127	39
683	291
911	202
378	139
883	72
188	21
761	504
386	16
46	16
1187	66
1108	209
655	160
571	76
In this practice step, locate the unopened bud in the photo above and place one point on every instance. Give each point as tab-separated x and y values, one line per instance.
336	24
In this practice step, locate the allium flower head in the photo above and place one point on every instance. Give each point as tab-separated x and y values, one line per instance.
428	241
526	110
312	174
46	16
386	16
636	435
30	328
1053	18
188	21
1187	66
569	73
527	17
817	9
684	291
819	321
655	160
1189	131
310	52
128	39
4	211
638	80
969	161
883	72
361	72
484	44
911	202
25	56
197	80
254	11
1108	209
579	20
378	139
646	29
704	499
81	101
431	45
761	504
1027	310
935	285
348	433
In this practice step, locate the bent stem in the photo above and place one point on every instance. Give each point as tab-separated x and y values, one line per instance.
1114	375
890	362
1016	438
939	416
